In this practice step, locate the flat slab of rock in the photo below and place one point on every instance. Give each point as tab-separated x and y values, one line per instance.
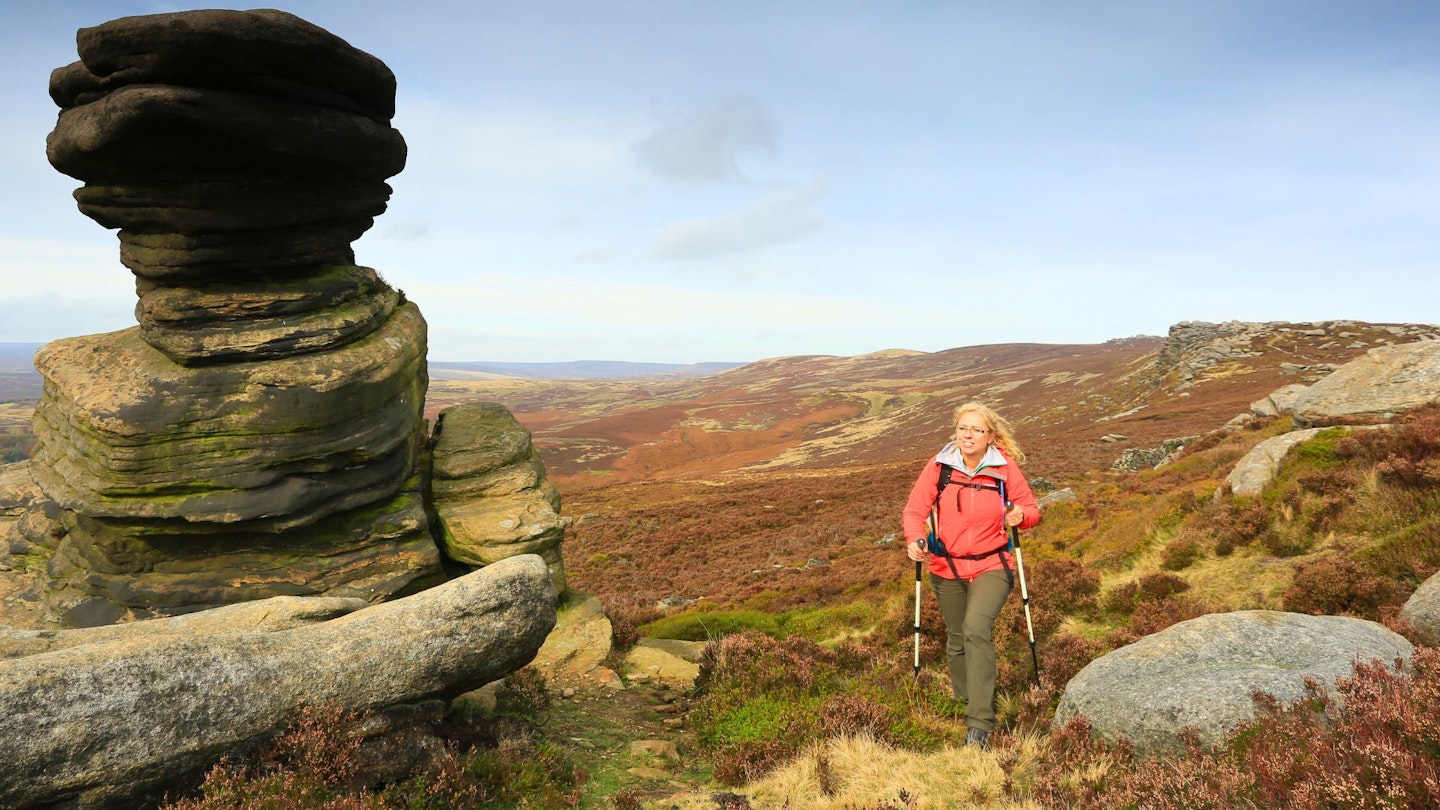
1202	673
1254	472
1384	382
666	660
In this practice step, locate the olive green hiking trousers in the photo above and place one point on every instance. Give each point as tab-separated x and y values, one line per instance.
970	609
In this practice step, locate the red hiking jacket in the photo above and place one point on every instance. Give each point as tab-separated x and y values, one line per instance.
972	516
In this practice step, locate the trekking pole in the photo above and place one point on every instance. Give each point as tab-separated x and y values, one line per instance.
1014	534
917	619
930	533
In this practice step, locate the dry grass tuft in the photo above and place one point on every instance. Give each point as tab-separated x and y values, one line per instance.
846	773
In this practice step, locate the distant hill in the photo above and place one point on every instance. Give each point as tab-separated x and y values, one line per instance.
1076	408
19	380
576	370
18	356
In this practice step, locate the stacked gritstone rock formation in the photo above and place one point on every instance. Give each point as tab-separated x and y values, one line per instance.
492	500
259	433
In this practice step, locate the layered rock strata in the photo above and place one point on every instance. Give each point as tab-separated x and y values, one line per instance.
239	153
259	433
491	497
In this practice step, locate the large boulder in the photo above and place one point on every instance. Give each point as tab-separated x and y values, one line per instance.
1385	381
1422	611
490	491
1201	674
99	722
581	641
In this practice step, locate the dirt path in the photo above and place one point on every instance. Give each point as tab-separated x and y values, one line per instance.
631	741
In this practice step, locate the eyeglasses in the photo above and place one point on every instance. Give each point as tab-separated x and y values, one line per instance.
965	430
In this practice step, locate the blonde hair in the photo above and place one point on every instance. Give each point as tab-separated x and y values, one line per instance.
1003	436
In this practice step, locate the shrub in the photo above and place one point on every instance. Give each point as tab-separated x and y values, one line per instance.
1157	586
753	663
1339	584
1068	587
1180	553
850	714
1153	615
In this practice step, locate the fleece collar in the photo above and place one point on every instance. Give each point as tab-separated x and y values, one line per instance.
950	454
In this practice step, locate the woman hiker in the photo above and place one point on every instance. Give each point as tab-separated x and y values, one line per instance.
967	485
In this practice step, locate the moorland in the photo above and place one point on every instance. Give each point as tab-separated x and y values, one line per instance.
757	508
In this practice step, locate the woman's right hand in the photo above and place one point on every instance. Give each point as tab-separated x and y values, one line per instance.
916	551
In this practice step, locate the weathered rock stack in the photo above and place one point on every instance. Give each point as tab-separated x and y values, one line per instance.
259	433
491	497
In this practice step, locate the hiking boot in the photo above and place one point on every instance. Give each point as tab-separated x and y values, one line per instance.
978	737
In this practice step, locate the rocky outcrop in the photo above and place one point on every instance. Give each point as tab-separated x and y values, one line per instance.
1195	350
1383	382
1201	674
102	721
260	432
1422	611
490	492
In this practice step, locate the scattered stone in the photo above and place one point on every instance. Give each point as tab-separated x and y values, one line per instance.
1113	437
668	661
665	749
1134	458
606	678
1058	496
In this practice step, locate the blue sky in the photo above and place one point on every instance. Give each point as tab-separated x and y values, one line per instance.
673	181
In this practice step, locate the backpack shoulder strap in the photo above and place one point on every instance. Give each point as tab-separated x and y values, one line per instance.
946	471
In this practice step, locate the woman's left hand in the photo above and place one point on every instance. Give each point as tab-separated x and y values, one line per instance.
1015	516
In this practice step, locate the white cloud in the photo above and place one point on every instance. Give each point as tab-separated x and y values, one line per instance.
595	255
771	220
705	145
512	148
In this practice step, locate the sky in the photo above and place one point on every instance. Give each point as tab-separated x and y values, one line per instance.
674	181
